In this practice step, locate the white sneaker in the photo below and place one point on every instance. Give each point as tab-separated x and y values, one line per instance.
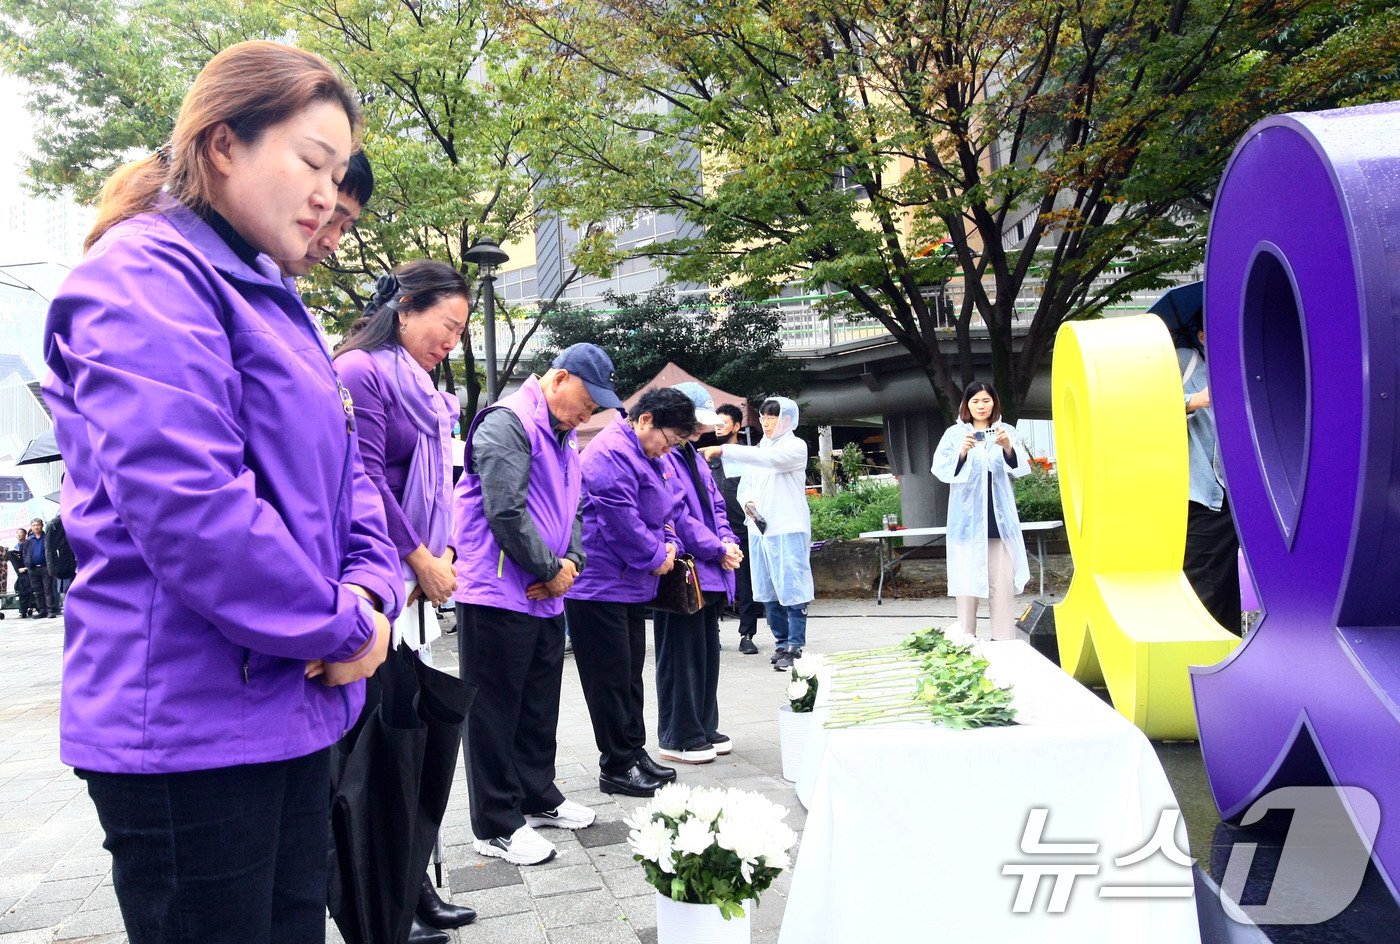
524	847
567	815
694	755
721	743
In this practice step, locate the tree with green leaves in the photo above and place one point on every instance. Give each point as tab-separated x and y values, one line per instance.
729	342
1054	155
456	122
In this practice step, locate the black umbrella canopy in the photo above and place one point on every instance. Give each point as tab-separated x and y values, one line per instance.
44	448
1181	307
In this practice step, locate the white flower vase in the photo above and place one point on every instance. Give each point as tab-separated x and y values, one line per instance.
679	922
794	727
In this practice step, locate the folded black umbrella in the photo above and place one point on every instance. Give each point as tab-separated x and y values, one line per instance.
391	787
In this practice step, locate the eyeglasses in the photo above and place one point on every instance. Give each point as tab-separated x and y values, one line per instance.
670	443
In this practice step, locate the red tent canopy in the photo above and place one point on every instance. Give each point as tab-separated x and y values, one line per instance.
669	376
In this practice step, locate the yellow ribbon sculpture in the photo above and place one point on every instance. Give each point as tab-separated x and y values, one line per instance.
1130	619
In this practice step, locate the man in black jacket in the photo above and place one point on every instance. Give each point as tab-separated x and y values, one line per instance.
731	431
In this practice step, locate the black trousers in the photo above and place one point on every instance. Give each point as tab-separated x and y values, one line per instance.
610	648
517	662
1212	562
236	855
687	677
748	609
41	582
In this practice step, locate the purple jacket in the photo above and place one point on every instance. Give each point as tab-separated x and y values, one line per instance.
216	499
702	524
485	575
629	505
387	438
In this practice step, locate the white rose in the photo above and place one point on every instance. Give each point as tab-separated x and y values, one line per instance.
808	666
797	689
693	837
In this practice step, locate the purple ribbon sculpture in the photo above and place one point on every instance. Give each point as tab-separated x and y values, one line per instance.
1303	335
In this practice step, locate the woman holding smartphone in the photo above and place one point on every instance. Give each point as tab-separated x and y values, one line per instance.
978	457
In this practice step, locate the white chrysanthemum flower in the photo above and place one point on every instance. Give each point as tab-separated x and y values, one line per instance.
797	688
672	800
693	837
653	843
706	805
777	840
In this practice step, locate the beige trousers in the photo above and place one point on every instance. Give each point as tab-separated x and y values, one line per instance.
1000	584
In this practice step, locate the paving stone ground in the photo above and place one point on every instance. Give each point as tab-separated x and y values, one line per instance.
56	882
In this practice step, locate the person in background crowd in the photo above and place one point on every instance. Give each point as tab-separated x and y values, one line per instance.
978	457
515	523
40	580
415	318
58	553
24	592
353	194
687	647
730	431
1211	562
200	702
773	494
629	508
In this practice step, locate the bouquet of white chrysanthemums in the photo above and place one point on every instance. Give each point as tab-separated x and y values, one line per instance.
710	846
802	690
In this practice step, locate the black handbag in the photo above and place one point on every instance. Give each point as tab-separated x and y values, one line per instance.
679	589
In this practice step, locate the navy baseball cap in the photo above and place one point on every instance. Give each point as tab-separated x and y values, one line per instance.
591	364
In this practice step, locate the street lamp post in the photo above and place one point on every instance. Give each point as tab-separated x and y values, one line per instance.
487	256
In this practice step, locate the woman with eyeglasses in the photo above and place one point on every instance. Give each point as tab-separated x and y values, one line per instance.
629	509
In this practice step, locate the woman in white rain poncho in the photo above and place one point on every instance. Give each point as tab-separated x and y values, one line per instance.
978	457
773	494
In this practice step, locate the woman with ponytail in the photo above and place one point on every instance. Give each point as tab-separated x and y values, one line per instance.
202	421
414	320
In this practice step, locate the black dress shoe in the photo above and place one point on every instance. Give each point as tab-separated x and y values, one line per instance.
420	933
632	782
653	769
443	915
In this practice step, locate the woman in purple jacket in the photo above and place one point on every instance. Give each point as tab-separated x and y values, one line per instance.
629	509
687	647
202	422
412	322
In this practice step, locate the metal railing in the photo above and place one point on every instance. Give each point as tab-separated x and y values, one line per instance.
807	328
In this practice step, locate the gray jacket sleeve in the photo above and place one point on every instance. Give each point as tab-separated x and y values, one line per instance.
501	457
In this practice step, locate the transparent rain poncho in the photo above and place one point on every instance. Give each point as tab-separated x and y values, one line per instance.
773	476
967	508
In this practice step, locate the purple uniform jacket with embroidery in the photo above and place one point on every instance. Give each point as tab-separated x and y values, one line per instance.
485	575
387	439
703	524
216	502
630	503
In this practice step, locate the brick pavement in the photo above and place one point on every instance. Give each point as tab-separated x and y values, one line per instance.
55	878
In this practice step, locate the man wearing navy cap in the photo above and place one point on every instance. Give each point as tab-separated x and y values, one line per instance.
520	547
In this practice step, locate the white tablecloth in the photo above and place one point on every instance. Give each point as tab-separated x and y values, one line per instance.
909	826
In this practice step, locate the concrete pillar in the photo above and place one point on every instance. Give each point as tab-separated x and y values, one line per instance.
825	460
910	440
